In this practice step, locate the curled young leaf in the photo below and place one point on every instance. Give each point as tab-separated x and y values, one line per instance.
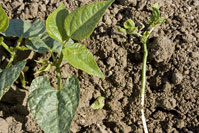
129	24
155	17
55	23
120	29
43	69
99	103
4	20
80	57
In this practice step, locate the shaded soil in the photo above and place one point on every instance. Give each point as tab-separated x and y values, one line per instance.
172	94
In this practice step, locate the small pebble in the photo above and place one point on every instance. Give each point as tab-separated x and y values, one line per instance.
111	61
107	20
180	124
177	77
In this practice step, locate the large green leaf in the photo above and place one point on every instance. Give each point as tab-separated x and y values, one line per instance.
80	57
4	21
8	76
54	109
55	23
18	28
43	43
81	22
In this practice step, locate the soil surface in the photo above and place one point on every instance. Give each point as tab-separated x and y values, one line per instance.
172	93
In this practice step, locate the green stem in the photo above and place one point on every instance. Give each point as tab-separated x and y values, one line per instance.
12	53
53	56
59	71
10	61
144	73
6	47
143	85
58	67
58	63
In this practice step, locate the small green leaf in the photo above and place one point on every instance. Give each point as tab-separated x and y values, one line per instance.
43	69
99	103
8	76
155	6
43	43
80	57
155	17
129	24
4	20
81	22
53	109
55	23
120	29
45	62
18	28
1	70
161	20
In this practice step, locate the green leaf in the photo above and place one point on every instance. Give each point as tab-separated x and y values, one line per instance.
8	76
70	41
99	103
43	43
43	68
1	70
129	24
81	22
155	17
54	109
55	23
80	57
120	29
18	28
161	20
155	6
4	20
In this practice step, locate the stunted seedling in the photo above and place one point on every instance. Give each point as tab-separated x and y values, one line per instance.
130	28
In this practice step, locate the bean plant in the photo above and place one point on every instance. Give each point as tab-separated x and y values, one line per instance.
130	28
53	108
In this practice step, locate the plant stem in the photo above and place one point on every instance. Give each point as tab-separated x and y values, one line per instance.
11	53
143	84
57	64
59	72
142	92
10	61
6	47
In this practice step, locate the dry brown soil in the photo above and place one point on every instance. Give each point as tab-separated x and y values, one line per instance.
172	94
